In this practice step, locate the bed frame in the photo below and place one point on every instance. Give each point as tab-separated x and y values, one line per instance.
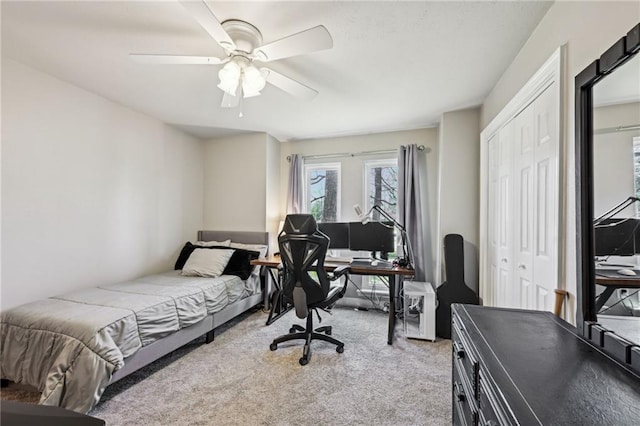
166	345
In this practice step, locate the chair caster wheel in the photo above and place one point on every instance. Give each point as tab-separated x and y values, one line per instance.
340	349
304	361
292	330
328	332
273	346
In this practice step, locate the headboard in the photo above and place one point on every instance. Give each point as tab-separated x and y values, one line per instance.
244	237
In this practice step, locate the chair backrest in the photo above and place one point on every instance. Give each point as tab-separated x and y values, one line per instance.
302	250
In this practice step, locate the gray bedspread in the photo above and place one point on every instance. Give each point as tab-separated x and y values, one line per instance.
69	346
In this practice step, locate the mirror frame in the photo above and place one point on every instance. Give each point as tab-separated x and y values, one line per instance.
586	315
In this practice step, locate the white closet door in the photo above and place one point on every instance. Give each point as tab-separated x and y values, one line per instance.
520	195
493	210
504	263
546	199
523	160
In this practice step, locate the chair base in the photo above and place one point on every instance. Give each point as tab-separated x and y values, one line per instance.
308	335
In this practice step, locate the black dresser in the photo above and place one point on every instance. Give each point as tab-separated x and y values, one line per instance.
531	368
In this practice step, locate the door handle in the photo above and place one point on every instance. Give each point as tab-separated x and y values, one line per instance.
523	267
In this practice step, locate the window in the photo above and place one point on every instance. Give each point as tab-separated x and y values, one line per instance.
381	186
322	191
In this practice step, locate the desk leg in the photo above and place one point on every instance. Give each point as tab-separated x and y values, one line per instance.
278	306
393	281
603	297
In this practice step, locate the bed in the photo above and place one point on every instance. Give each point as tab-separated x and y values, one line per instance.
72	346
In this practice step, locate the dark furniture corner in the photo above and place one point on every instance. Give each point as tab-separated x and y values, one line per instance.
13	413
514	367
303	249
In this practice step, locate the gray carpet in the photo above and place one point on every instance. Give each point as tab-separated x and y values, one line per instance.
237	380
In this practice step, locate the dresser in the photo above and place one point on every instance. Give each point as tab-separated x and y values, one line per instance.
514	367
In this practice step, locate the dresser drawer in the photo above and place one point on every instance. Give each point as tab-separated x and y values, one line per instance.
492	408
464	406
464	353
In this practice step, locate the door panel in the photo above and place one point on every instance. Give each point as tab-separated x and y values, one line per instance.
545	262
523	160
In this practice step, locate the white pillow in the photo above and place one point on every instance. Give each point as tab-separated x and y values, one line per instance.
254	247
207	262
224	243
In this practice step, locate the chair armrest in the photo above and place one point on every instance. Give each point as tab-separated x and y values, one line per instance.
340	271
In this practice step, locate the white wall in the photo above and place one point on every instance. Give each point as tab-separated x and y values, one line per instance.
235	180
353	180
459	187
613	157
92	192
588	29
272	187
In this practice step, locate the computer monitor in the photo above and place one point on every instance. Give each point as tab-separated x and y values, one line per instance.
372	236
617	237
338	233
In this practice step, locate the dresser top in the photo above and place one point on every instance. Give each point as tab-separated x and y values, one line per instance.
548	371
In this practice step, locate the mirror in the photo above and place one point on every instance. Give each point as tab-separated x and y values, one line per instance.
616	199
608	200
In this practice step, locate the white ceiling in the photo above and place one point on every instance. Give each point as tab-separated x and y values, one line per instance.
394	65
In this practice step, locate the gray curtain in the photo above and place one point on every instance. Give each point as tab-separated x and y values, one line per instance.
409	205
294	192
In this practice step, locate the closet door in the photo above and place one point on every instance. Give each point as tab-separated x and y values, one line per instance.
546	199
493	211
520	195
523	208
523	203
504	263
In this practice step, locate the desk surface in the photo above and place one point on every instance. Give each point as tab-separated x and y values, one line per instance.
608	277
274	261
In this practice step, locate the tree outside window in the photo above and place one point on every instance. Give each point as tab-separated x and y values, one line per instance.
322	191
381	185
381	188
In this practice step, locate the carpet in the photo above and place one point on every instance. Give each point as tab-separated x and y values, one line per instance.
237	380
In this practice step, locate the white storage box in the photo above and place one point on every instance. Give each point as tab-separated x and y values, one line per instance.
419	310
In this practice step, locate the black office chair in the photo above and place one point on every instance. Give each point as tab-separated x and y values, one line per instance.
302	251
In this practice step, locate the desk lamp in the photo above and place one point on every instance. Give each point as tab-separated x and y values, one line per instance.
407	260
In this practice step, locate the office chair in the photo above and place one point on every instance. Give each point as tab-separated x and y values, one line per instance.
305	283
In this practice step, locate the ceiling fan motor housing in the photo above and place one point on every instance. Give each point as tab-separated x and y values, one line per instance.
245	36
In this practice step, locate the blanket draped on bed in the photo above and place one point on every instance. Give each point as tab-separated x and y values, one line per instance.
69	346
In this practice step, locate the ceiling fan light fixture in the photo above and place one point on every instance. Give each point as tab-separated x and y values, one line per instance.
230	77
253	81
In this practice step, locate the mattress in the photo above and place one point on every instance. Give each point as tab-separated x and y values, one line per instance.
69	346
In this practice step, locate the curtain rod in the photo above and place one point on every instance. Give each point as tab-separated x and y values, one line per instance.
355	154
616	129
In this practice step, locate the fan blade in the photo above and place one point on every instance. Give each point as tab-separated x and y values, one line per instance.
229	101
203	13
289	85
311	40
176	59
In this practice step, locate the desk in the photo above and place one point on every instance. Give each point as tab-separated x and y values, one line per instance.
613	281
394	273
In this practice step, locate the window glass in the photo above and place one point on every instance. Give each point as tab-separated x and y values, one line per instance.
381	189
322	191
381	186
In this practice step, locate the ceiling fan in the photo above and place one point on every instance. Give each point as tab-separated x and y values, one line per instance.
242	43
